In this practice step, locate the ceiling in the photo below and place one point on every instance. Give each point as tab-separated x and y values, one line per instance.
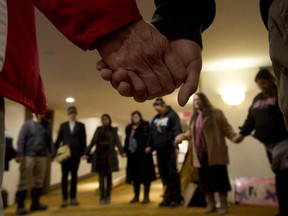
237	39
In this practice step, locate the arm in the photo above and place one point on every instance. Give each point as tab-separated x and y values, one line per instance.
249	124
83	141
184	19
22	139
83	22
59	138
117	142
93	142
225	126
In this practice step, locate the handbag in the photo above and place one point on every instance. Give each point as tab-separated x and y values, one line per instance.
63	153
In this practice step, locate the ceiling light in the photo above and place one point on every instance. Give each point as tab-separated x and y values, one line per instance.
232	95
70	99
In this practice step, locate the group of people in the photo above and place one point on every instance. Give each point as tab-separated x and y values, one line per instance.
207	130
35	147
156	65
209	127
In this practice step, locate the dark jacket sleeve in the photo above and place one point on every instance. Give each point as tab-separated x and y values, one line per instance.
83	139
93	142
59	138
184	18
22	139
249	124
117	141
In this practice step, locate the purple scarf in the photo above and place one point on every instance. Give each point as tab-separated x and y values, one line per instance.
199	139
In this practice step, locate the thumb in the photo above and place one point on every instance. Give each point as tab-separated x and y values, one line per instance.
190	85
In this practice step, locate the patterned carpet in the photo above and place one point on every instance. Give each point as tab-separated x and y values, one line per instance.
121	195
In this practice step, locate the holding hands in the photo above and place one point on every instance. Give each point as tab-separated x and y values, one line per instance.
142	63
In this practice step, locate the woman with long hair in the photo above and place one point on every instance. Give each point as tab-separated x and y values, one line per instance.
104	158
208	129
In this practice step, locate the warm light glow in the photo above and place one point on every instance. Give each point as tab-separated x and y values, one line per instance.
70	99
235	63
232	95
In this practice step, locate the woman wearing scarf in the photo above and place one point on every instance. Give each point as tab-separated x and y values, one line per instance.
140	166
208	129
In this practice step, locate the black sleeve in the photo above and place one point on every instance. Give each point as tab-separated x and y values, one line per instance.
248	125
184	18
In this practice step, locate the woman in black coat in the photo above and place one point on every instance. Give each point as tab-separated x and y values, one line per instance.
104	158
140	166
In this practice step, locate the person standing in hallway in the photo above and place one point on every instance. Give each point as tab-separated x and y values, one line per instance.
266	120
71	133
208	129
34	145
165	126
104	158
140	165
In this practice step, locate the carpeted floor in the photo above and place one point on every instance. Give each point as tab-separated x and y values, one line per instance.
121	195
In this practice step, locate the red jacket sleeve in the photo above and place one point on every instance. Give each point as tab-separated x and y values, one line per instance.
84	21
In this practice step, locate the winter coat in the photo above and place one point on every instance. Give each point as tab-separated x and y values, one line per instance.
215	129
140	165
105	137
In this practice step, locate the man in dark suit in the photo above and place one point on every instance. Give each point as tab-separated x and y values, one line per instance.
71	133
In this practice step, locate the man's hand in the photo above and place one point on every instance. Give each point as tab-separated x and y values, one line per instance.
190	54
143	63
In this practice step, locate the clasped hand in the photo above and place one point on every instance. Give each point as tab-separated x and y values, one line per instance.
142	63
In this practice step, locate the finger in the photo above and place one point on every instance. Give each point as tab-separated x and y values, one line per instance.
100	65
120	75
105	71
138	88
124	89
190	85
106	74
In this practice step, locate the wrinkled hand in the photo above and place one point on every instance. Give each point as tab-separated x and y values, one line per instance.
143	63
190	55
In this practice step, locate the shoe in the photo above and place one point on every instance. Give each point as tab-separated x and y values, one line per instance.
21	211
134	200
173	204
102	201
64	204
107	200
223	211
145	200
162	204
38	207
74	202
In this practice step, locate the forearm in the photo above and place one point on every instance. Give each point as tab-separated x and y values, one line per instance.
83	22
185	18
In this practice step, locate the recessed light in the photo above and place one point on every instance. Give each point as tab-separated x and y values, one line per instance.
70	99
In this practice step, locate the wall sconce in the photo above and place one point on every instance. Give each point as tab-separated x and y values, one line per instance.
232	95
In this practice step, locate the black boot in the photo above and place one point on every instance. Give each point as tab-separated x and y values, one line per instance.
21	195
136	187
36	205
146	194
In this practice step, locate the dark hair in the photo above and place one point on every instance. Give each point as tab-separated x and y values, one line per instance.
207	106
137	113
158	101
264	74
107	116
